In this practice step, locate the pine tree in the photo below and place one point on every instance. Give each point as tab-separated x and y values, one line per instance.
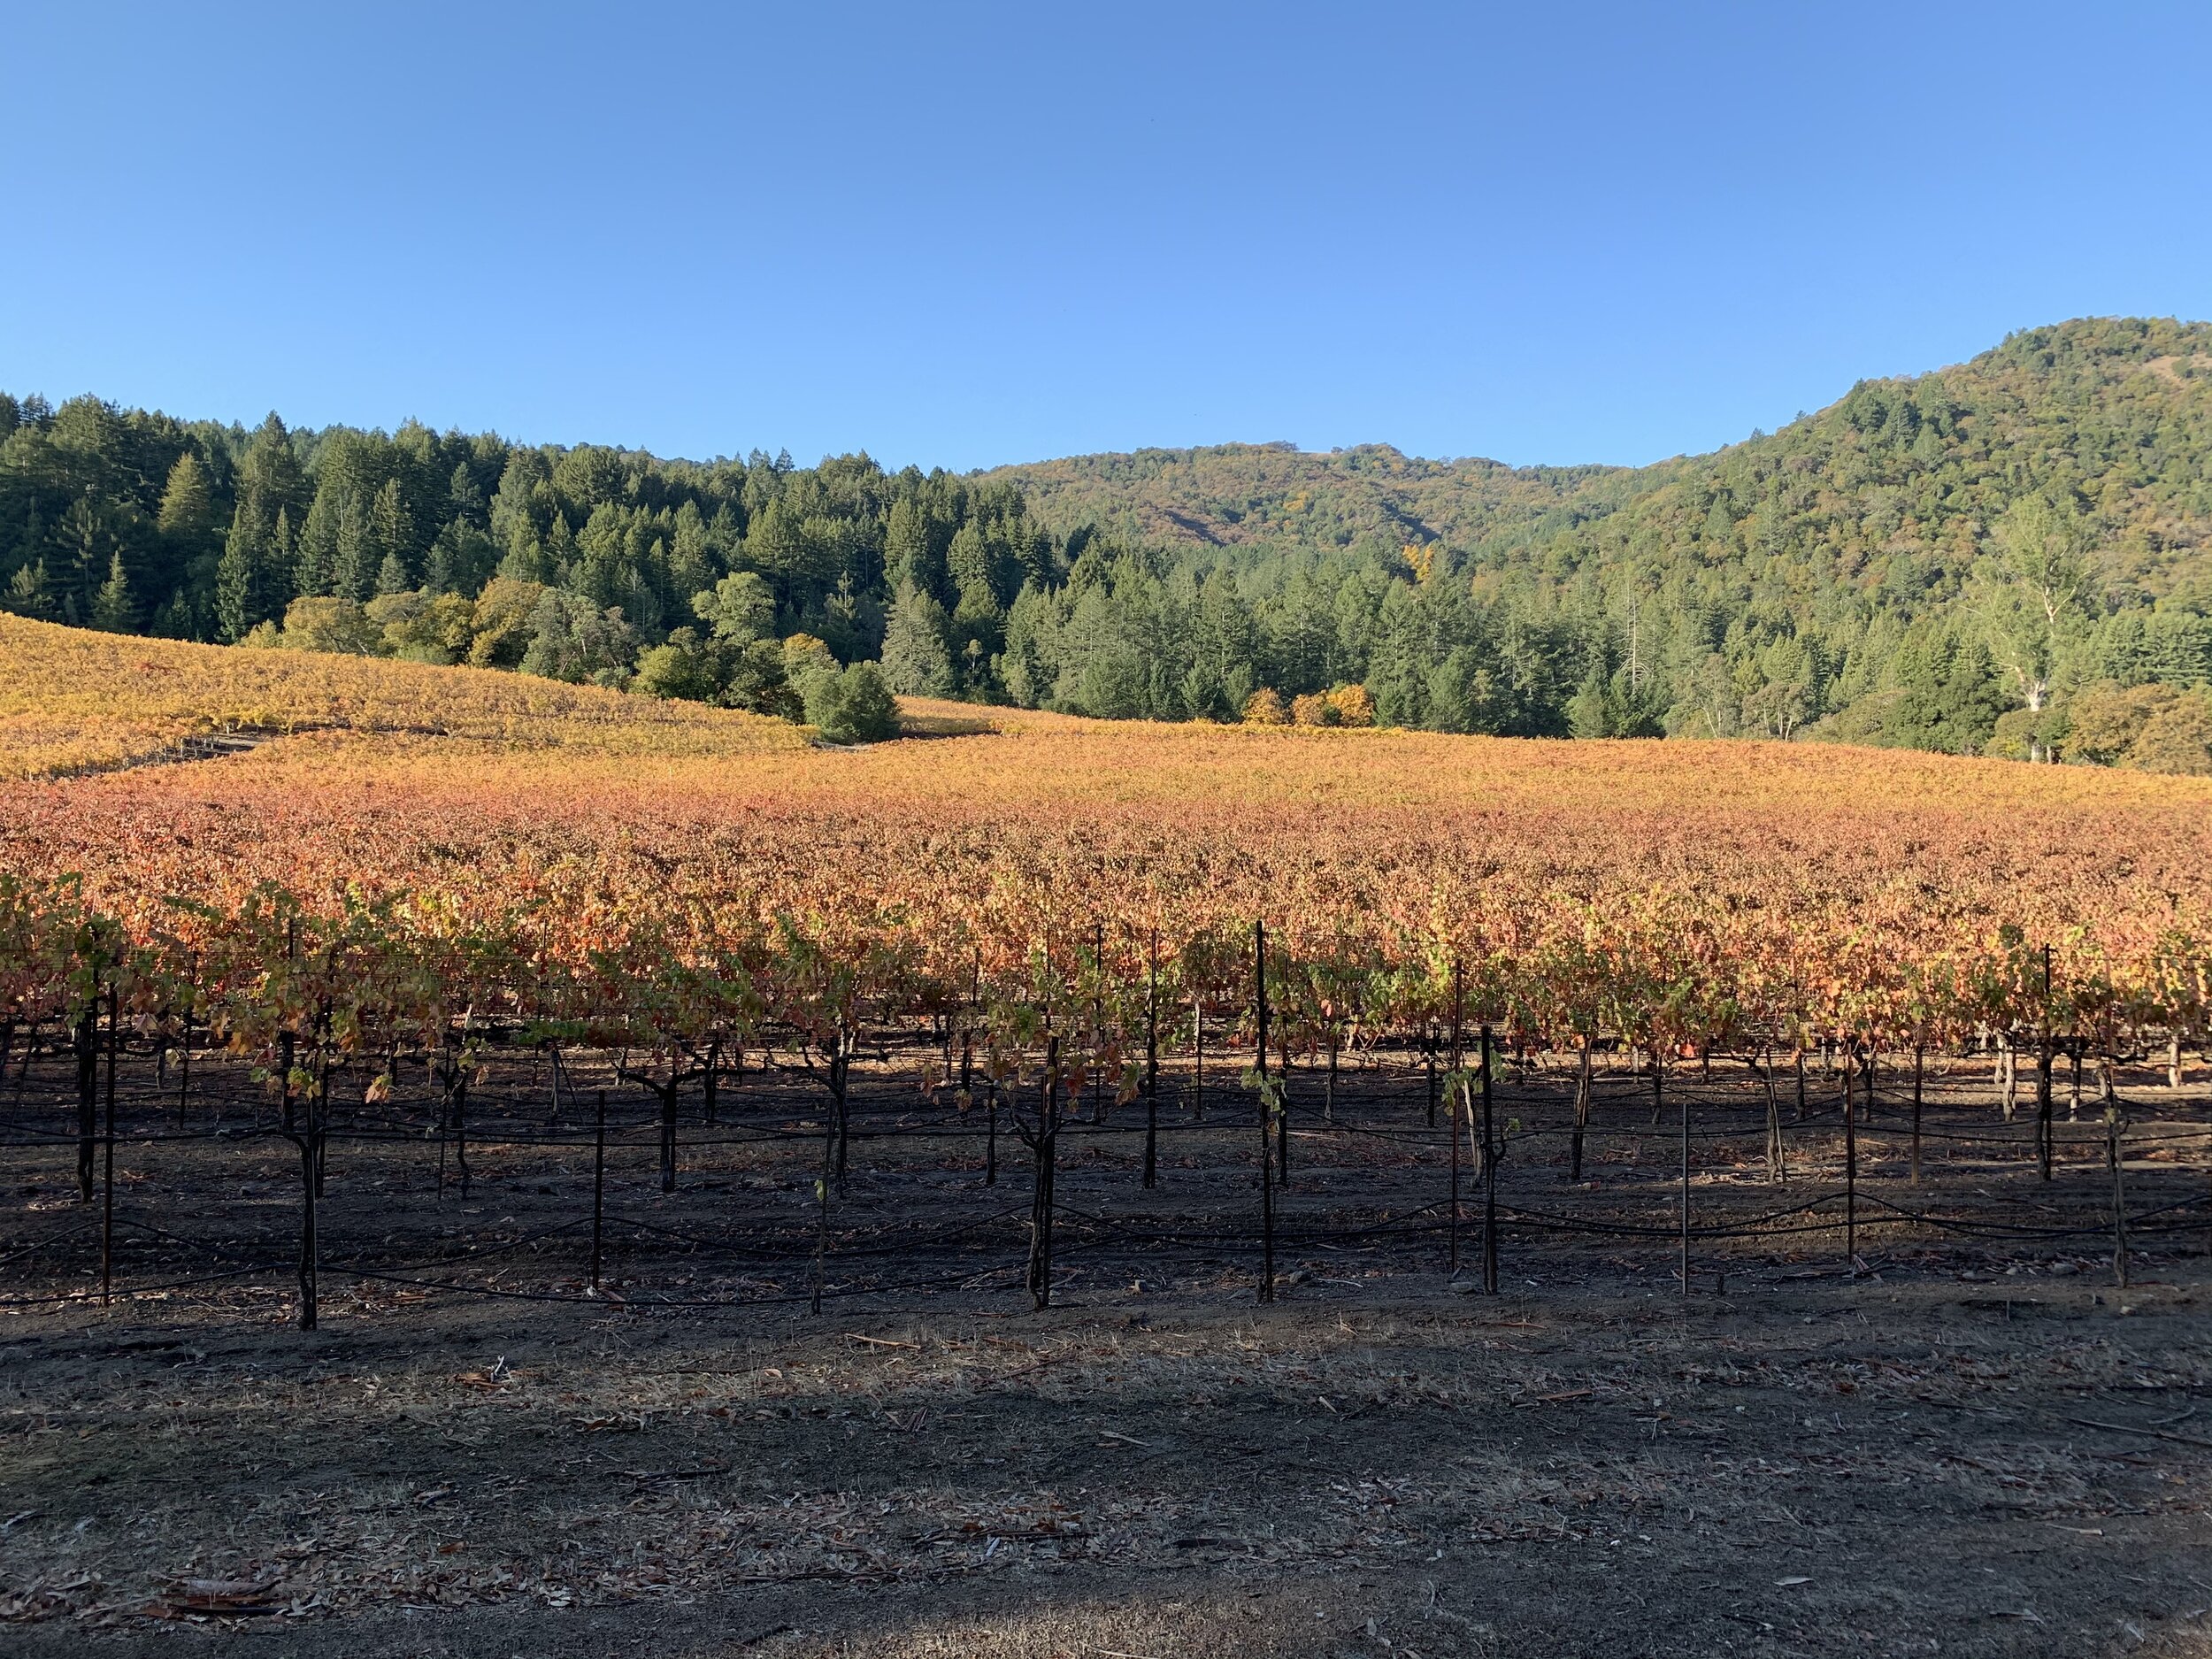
281	556
113	609
391	578
392	533
1589	711
315	568
910	556
241	580
188	514
464	498
28	593
353	559
915	660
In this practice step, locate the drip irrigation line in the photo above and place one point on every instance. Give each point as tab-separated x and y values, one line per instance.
49	1240
651	1301
93	1293
937	1236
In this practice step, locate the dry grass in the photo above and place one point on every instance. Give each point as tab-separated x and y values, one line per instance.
74	701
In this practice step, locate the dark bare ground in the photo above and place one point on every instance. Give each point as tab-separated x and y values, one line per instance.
1980	1448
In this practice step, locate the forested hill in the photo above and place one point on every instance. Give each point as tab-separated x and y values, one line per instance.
2013	555
2117	414
1866	570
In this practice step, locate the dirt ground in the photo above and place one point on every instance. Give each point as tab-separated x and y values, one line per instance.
1977	1446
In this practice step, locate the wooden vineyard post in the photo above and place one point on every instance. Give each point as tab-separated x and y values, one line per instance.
87	1044
2043	1124
2114	1130
305	1139
1919	1069
599	1183
460	1094
184	1047
1451	1141
107	1183
1328	1091
1776	1171
1582	1115
1045	1146
990	1133
1198	1057
1850	1169
1098	1019
1453	1106
841	1082
1684	1265
1152	1060
832	1157
320	1114
967	1031
1489	1177
460	1116
1801	1081
668	1138
1267	1189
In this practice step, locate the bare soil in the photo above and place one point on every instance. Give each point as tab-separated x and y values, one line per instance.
1977	1444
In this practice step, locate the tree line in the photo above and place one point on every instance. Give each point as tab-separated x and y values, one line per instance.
2008	557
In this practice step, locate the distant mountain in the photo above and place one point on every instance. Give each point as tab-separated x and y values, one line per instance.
1837	534
2115	414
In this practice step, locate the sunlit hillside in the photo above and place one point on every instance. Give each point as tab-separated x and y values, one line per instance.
74	701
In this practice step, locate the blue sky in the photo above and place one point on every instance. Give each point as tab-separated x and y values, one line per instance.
962	236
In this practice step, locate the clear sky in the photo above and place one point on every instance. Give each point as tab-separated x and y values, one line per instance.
961	235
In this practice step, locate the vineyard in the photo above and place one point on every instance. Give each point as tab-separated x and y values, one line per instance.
431	1010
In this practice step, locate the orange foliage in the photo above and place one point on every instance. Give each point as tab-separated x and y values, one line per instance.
655	881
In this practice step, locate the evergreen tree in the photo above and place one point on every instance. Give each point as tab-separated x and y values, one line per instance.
916	661
187	513
910	556
392	535
465	497
29	594
242	587
354	554
113	609
1590	710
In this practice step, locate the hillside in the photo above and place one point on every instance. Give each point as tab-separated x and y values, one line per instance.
1824	571
1272	498
2010	556
74	701
2118	414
